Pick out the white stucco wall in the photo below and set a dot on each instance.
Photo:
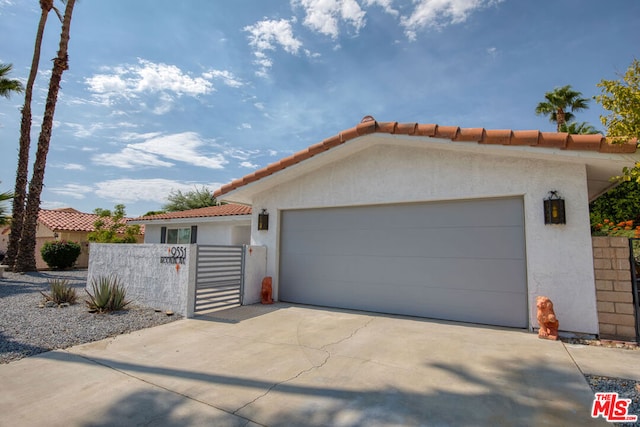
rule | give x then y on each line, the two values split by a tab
148	281
559	258
218	233
255	268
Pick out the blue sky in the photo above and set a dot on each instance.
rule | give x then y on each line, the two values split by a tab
165	96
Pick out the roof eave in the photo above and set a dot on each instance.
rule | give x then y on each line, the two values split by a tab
198	219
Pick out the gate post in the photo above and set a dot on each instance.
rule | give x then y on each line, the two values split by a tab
191	284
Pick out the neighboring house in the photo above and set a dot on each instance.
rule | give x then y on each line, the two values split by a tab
435	221
4	238
228	224
65	224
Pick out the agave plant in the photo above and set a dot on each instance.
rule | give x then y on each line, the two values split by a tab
61	292
108	295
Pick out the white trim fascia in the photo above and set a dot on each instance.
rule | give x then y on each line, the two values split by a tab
195	220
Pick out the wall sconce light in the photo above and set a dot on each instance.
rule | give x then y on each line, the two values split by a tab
56	235
554	209
263	220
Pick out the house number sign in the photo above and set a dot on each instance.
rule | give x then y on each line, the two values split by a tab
175	255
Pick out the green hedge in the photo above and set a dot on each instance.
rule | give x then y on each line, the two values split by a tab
60	254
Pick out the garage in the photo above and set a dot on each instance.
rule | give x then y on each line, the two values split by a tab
453	260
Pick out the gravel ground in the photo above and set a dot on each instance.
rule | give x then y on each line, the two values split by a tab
26	330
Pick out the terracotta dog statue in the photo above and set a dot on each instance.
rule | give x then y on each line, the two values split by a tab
547	319
267	290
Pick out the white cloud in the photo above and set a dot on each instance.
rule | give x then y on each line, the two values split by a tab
138	190
440	13
241	154
259	105
183	147
72	190
81	130
384	4
324	16
245	126
227	77
73	167
135	136
129	158
249	165
492	51
129	82
268	35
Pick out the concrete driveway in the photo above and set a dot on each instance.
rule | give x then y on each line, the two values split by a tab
298	365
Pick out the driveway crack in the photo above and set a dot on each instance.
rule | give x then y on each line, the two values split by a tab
312	368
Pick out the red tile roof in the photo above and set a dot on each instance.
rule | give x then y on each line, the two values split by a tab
68	219
369	125
230	209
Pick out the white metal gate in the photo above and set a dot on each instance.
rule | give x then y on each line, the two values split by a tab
219	277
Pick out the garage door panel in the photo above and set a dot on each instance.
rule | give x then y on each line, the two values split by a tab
490	275
475	213
447	260
496	242
439	303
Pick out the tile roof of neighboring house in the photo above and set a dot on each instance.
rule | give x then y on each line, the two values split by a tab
68	219
369	125
230	209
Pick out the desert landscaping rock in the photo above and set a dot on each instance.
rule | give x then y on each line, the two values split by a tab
27	329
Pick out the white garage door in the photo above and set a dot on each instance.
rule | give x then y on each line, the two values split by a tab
460	260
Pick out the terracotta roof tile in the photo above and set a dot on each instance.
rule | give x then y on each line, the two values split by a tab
369	125
525	137
406	128
366	127
607	146
348	134
424	129
584	142
497	136
553	139
470	134
231	209
68	219
447	132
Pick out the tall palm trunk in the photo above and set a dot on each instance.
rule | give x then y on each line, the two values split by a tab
560	119
20	189
26	260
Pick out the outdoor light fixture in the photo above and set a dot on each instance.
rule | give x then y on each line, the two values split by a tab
554	209
263	220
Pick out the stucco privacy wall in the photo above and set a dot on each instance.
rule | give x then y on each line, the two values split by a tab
559	258
161	285
147	281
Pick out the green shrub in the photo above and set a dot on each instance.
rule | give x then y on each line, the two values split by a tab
108	295
60	254
61	292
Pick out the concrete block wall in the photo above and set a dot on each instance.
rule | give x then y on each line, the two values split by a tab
614	297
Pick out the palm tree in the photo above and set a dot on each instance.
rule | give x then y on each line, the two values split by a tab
559	105
20	189
576	128
7	85
26	260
